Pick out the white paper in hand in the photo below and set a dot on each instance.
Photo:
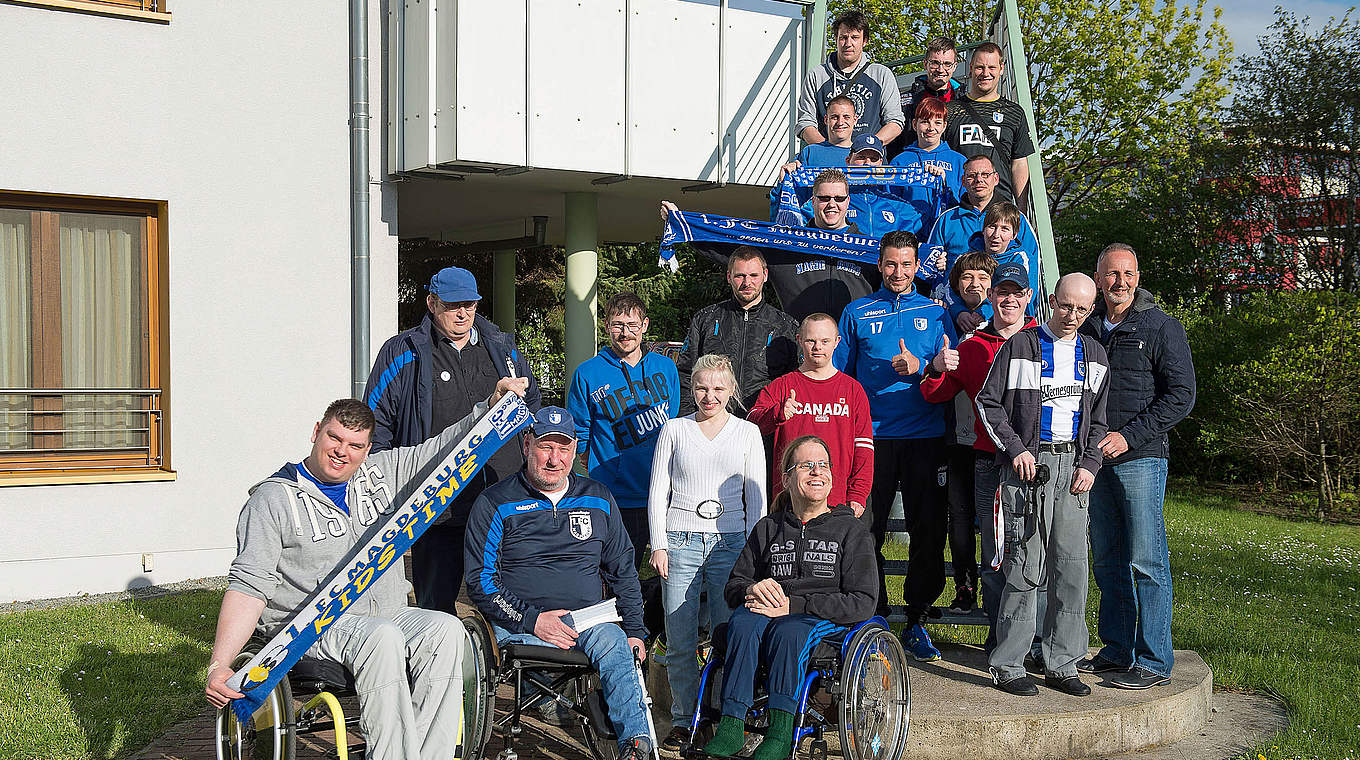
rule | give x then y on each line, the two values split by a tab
587	617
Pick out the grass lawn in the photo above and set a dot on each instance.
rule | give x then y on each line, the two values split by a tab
1270	604
102	680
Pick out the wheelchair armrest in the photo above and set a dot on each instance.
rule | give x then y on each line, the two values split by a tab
549	656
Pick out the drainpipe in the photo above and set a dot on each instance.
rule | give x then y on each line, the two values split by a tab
358	189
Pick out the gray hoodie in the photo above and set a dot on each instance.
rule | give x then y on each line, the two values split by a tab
290	537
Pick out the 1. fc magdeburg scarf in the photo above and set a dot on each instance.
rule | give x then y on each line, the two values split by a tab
381	547
796	188
690	227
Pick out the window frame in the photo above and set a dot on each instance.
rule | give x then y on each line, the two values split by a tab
133	10
85	466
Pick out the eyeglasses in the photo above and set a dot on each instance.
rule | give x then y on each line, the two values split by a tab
625	327
458	306
810	467
1068	308
941	64
830	198
978	175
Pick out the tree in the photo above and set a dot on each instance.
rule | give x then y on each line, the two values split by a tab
1117	85
1298	114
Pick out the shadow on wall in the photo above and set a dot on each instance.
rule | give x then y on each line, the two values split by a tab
147	673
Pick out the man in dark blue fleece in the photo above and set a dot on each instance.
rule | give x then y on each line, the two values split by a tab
620	398
544	542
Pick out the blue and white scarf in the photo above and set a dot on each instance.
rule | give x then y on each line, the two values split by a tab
796	188
688	227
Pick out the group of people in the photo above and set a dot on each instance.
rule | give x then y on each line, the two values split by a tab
756	474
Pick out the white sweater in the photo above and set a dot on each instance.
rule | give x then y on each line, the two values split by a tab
688	469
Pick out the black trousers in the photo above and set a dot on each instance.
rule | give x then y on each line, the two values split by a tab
962	516
635	522
916	467
437	567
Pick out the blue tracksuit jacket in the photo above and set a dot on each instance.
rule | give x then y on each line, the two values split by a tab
523	555
877	212
871	329
953	235
942	156
619	411
823	154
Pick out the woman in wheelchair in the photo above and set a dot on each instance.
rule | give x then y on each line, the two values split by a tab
807	571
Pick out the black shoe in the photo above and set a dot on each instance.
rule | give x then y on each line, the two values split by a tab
965	600
635	749
1034	663
1099	664
676	740
1067	685
1020	686
1139	677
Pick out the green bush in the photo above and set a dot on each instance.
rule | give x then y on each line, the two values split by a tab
1279	393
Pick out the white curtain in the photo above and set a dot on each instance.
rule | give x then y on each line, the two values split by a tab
16	314
102	324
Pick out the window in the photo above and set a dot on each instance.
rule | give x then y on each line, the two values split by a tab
82	336
136	10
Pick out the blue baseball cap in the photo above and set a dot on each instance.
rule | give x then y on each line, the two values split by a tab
1011	273
454	285
866	141
554	420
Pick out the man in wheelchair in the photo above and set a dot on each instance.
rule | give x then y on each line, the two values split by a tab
545	542
807	571
295	527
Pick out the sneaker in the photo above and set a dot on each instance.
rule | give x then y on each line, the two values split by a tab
1068	685
676	740
965	600
1139	677
917	641
1099	664
1020	686
637	748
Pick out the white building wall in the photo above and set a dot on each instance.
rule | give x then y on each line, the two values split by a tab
236	115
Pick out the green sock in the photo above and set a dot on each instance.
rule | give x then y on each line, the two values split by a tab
778	742
729	739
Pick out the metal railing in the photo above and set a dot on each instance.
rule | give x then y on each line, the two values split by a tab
55	430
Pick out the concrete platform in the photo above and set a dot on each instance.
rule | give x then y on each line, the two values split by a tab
955	712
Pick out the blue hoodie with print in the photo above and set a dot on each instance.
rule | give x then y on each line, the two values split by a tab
619	410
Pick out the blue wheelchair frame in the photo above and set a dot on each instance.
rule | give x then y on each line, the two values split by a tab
831	673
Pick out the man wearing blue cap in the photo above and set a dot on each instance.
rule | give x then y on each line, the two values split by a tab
544	542
423	379
873	209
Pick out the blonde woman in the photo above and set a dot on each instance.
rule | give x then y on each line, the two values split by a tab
707	493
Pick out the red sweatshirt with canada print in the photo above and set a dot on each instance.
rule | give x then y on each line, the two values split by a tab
837	411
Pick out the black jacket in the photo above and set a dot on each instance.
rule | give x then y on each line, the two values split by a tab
1152	375
400	391
826	566
912	97
760	341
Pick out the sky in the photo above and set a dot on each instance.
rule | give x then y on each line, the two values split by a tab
1247	20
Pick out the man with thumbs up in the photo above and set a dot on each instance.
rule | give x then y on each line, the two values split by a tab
889	339
817	399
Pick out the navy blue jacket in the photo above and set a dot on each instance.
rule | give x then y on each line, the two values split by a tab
1152	375
524	556
402	381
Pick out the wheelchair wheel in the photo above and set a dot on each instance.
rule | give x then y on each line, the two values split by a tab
480	664
598	731
875	704
268	735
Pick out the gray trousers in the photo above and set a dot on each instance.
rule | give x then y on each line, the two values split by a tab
987	476
1045	542
408	672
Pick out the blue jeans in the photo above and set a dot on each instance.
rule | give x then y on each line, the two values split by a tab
607	647
696	562
783	644
1132	565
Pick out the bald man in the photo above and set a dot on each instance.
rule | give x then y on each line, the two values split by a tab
1043	405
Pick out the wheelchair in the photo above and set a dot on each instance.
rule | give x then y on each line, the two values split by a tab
856	680
536	675
272	732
